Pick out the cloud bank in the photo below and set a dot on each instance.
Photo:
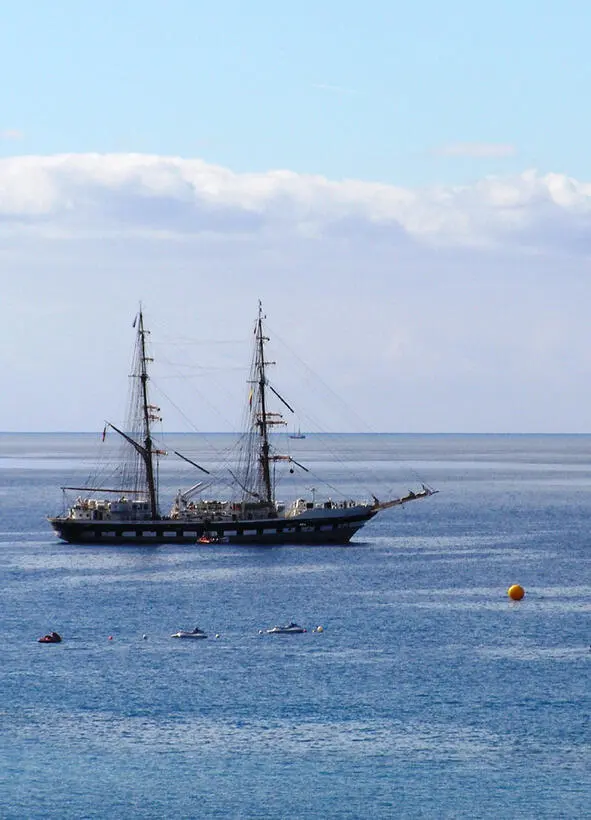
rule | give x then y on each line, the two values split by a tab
459	308
127	194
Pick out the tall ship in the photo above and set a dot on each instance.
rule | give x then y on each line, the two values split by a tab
246	513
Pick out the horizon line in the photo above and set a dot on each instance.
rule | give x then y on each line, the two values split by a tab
304	432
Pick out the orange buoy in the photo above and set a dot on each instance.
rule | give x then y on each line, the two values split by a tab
516	592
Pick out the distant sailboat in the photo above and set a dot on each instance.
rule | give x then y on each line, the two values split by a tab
299	434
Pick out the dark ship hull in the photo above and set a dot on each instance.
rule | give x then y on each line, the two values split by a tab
264	532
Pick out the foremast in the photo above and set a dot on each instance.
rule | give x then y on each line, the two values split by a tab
140	417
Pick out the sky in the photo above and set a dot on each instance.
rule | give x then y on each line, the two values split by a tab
406	187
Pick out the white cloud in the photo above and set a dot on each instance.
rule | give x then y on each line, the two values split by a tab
450	308
130	194
11	134
476	149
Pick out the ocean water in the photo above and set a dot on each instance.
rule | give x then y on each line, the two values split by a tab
429	693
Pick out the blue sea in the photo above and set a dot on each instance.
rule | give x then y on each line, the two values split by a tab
427	694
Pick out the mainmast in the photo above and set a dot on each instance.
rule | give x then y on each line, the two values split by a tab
257	477
147	411
263	419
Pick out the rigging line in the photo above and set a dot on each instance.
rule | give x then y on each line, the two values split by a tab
328	440
230	363
311	373
317	377
157	387
320	480
180	348
349	410
163	330
371	474
200	369
219	388
163	341
246	490
367	480
100	462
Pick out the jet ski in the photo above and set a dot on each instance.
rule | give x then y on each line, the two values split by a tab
51	637
289	629
195	633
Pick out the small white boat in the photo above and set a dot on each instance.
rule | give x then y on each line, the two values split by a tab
195	633
288	629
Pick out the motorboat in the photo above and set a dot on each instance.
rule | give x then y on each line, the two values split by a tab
288	629
195	633
51	637
213	538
